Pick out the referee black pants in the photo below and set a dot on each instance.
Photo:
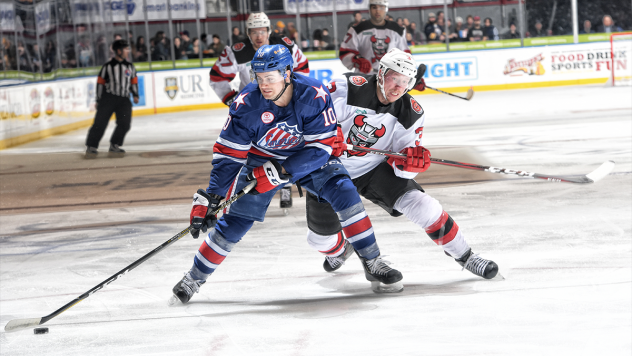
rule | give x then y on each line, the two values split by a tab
109	104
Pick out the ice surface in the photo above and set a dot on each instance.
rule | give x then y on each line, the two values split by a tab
565	250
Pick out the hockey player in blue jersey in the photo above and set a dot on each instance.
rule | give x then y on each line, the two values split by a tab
280	129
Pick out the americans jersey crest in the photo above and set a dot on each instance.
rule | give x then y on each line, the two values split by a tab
363	135
281	137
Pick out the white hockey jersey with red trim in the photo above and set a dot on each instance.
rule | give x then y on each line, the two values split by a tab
367	123
235	62
372	42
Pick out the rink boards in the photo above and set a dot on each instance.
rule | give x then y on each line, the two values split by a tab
33	111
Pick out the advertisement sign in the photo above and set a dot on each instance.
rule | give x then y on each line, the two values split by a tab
43	17
7	17
318	6
115	10
183	88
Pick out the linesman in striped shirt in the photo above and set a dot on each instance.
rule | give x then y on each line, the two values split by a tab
116	80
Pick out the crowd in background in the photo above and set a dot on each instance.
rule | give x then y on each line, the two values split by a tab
88	51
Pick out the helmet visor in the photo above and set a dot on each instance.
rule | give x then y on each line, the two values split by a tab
398	79
271	77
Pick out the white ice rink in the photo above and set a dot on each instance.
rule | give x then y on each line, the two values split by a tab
565	251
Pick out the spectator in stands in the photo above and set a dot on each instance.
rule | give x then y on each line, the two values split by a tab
85	51
186	44
23	58
512	32
216	48
132	45
389	17
607	25
161	52
36	57
195	49
357	18
400	22
470	22
432	30
291	32
491	32
102	51
9	62
538	31
417	35
587	28
453	34
141	50
49	57
441	26
326	42
440	16
409	39
317	38
237	36
476	33
280	28
178	49
406	24
460	29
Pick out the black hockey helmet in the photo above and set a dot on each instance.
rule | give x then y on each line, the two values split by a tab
119	44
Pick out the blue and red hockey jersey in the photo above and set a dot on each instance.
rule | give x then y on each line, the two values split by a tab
300	136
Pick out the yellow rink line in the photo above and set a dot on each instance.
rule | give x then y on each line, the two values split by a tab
18	140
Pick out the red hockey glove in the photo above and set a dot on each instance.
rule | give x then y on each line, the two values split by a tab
420	84
362	64
229	98
268	177
339	146
202	202
417	160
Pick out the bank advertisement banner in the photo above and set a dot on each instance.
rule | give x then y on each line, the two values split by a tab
319	6
116	10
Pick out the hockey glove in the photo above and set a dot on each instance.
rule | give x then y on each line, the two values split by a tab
268	177
229	98
202	203
417	160
420	84
362	64
339	146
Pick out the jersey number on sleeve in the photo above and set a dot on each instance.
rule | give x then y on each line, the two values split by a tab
330	117
420	131
348	37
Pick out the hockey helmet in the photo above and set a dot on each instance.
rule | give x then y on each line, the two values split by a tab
119	44
400	62
257	20
379	2
272	57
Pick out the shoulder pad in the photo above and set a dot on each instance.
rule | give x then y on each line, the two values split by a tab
243	51
285	41
409	111
390	25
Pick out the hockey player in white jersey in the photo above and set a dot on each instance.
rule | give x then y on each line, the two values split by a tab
234	62
366	43
376	111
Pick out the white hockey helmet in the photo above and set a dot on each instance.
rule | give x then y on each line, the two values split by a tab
379	2
257	20
400	62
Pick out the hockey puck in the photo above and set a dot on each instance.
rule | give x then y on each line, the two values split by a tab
40	331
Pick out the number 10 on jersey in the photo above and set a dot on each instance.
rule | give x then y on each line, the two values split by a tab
330	117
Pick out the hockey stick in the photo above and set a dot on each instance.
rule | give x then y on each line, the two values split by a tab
19	324
470	93
591	177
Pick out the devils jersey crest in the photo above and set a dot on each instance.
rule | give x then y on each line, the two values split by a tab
380	47
281	137
363	134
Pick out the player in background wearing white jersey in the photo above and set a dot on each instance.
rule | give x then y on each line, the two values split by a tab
366	43
235	60
376	111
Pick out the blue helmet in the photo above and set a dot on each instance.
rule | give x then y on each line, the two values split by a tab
272	57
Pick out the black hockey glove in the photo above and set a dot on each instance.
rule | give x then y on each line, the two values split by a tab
229	98
201	217
420	84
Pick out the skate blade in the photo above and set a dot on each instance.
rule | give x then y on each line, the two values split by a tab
174	301
379	287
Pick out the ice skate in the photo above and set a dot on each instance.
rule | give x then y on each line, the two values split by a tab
91	153
333	263
116	151
185	289
478	265
383	278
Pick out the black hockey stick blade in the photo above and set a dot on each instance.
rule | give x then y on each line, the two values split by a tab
469	95
591	177
20	324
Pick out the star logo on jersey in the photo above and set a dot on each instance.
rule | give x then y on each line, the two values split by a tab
363	135
240	100
321	93
281	137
